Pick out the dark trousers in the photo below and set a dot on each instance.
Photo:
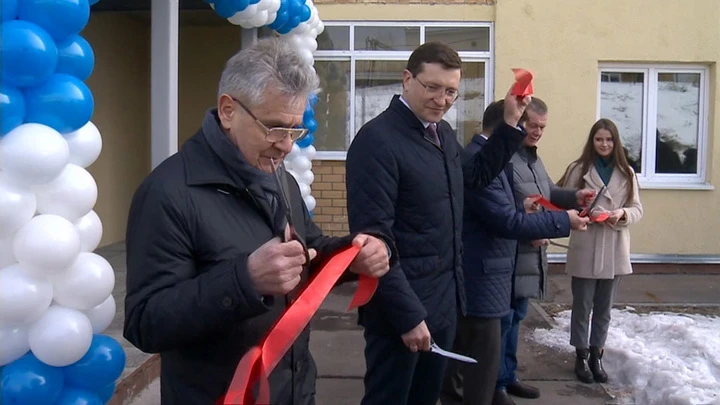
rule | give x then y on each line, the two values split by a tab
596	296
510	330
473	384
397	376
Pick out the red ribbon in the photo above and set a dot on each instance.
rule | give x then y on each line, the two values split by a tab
550	206
523	83
257	364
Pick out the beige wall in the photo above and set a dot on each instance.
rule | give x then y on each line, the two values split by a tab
120	85
563	46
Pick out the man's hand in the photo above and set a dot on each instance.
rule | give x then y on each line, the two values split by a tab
530	204
577	222
615	217
584	196
275	267
372	260
514	107
539	242
417	338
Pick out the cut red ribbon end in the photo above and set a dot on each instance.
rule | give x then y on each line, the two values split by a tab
523	83
545	203
602	217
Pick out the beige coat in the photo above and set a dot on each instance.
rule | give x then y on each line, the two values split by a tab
602	252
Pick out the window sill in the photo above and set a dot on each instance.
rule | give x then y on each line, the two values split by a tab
329	155
646	185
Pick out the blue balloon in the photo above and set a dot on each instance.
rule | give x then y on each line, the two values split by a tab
62	102
76	396
242	4
304	13
28	381
92	2
312	100
75	57
280	19
254	1
28	54
284	5
12	108
295	6
311	125
102	365
9	10
309	114
106	393
60	18
306	141
226	8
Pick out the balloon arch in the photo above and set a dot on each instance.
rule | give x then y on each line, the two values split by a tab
55	293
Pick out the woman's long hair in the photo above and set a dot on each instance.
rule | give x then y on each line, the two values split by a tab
589	155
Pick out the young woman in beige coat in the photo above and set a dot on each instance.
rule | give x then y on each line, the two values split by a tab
598	258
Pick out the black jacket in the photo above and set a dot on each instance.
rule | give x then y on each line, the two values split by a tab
193	223
405	186
493	223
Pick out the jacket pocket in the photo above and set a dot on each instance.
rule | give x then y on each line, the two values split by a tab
499	265
419	267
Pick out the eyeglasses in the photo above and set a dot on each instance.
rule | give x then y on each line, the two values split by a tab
432	90
276	134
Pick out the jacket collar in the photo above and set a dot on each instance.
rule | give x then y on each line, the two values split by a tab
406	114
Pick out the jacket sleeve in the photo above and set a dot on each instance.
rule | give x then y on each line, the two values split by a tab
498	213
633	208
372	176
481	168
168	303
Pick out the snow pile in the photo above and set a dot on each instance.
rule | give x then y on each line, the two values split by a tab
669	359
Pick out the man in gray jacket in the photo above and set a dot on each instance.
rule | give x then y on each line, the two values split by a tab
529	177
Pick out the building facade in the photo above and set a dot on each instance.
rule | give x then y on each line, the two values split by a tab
651	66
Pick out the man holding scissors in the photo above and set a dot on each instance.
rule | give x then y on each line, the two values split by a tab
218	244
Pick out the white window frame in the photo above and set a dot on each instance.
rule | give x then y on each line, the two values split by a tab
467	56
648	179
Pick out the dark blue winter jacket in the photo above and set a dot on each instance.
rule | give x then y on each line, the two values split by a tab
493	221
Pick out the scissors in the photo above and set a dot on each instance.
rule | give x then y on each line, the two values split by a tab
436	349
589	209
283	191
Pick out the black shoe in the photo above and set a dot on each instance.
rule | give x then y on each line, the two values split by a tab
522	390
501	397
582	369
596	365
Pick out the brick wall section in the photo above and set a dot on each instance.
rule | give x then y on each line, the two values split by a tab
328	188
487	2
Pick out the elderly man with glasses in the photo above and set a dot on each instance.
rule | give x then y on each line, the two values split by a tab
405	177
219	241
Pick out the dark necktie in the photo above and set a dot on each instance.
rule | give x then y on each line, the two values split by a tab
432	135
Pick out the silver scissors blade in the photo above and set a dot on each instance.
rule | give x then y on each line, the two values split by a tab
595	201
436	349
282	185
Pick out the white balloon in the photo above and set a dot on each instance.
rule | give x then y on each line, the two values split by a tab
90	230
47	243
236	19
259	19
301	29
14	340
246	14
271	17
17	207
304	189
85	145
264	5
71	195
61	336
302	163
307	177
33	153
296	41
102	315
23	298
310	42
274	6
7	257
310	202
309	152
86	284
320	27
306	55
294	152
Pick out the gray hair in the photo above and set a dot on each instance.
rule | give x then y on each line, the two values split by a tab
538	106
268	62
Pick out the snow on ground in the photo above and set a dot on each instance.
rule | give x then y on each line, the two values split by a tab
666	358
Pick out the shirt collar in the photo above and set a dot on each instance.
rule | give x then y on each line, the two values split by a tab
424	123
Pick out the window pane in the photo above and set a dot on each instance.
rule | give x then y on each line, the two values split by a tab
387	38
466	114
678	108
375	84
460	38
334	39
621	100
331	110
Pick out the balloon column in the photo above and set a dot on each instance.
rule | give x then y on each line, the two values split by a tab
297	22
55	293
